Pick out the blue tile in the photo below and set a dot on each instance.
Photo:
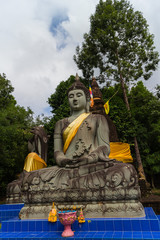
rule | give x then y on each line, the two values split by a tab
18	226
127	235
150	214
147	235
24	226
154	225
137	235
38	225
109	225
108	234
45	226
70	238
53	226
90	234
4	227
117	235
136	226
156	235
92	226
83	226
60	226
76	226
126	225
145	225
101	225
31	226
11	227
41	234
118	225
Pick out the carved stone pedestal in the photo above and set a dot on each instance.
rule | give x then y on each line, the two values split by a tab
123	209
101	189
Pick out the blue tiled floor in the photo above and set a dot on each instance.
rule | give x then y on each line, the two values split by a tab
125	228
81	235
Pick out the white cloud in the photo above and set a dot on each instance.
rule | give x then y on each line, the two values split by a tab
36	59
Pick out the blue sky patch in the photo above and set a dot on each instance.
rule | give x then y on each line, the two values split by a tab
56	29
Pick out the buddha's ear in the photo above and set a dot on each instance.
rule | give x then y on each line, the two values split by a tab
88	105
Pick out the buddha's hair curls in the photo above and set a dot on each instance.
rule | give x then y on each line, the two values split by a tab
79	85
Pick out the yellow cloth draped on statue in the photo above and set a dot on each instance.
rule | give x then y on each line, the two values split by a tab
72	129
33	162
120	151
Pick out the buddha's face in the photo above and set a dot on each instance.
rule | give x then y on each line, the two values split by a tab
77	100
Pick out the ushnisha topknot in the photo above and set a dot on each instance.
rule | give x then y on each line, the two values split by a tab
79	85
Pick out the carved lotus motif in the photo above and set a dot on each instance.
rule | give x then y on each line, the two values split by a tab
116	179
25	186
35	180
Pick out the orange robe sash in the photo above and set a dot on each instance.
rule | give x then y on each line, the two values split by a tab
72	129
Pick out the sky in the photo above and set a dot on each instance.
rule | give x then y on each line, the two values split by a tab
38	39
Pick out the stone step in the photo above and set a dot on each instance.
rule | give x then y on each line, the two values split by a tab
8	211
95	228
148	223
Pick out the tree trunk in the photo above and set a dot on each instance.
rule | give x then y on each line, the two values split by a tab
138	156
139	161
152	181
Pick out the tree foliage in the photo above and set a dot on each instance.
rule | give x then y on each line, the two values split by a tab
146	110
118	42
15	123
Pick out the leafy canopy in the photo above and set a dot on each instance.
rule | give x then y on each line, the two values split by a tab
15	123
118	42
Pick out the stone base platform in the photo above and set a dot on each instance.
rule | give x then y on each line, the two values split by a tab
117	209
94	228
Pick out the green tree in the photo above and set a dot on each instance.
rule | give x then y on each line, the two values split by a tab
120	46
15	123
146	110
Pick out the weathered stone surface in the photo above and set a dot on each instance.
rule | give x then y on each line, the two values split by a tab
114	209
117	182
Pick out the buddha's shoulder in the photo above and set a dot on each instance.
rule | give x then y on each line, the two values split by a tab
62	122
97	116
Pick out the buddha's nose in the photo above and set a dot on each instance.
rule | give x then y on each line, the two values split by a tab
74	98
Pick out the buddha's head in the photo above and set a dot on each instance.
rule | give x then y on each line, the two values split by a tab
78	96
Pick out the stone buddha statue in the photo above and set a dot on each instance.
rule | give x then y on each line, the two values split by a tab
84	176
81	139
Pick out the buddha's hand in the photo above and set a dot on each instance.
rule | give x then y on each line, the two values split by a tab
84	160
64	162
78	162
61	159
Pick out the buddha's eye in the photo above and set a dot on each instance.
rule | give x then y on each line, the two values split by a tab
71	96
79	94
